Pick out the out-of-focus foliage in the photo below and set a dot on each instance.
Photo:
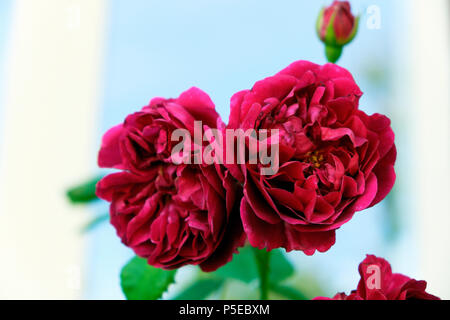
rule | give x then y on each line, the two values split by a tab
95	222
141	281
83	193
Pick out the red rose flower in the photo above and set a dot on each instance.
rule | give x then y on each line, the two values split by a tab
177	215
379	283
334	159
172	215
145	137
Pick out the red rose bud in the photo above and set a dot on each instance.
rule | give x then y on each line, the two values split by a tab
336	27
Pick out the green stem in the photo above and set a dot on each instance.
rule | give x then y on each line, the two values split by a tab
262	258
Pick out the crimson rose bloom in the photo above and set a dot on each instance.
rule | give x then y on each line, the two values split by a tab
389	286
145	137
172	215
334	159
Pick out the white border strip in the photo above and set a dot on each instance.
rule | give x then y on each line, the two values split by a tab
52	98
429	47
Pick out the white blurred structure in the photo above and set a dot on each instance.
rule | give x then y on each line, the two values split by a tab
50	110
430	68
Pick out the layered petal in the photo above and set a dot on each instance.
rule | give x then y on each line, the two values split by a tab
378	282
170	214
334	160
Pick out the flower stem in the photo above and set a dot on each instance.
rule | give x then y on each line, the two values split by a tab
333	53
262	258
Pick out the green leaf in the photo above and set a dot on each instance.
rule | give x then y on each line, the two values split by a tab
243	267
319	22
83	193
94	223
200	289
288	292
280	267
141	281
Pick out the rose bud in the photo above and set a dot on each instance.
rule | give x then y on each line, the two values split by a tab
379	283
334	160
336	27
170	214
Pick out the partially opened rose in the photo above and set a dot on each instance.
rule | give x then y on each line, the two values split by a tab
335	160
336	26
172	215
379	283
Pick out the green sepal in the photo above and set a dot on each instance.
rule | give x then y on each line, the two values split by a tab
200	289
352	35
330	36
319	23
84	193
140	281
333	53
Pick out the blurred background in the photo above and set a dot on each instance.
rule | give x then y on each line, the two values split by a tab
71	69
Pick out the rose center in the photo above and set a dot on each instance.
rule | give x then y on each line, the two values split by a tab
315	158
